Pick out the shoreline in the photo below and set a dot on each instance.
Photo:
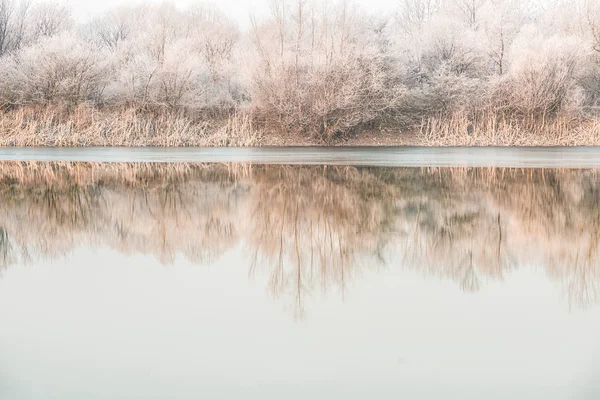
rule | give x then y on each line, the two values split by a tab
399	157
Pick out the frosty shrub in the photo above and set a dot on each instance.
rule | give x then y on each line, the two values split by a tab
57	69
447	68
47	19
164	57
541	76
320	71
13	26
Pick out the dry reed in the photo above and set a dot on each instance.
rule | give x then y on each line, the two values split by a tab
488	129
89	126
60	126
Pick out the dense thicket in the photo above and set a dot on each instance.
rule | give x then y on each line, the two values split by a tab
321	70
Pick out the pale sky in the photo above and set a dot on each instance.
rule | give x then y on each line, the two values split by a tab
236	9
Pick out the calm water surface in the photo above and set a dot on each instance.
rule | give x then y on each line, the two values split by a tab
502	157
221	281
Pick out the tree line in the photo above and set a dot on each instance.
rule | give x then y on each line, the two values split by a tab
322	69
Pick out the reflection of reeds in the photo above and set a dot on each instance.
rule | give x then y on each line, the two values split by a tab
311	229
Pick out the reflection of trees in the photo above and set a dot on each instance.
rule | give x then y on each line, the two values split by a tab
483	223
6	249
130	208
311	229
552	221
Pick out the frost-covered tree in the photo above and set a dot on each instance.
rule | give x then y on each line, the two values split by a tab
13	25
580	19
321	70
593	21
501	21
167	57
446	65
542	75
47	19
62	69
592	17
114	27
468	11
414	15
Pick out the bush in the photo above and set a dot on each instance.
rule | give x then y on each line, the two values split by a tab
58	69
322	77
166	58
541	77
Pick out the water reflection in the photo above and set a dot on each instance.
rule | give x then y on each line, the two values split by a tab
307	230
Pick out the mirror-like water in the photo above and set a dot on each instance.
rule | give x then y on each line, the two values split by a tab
188	281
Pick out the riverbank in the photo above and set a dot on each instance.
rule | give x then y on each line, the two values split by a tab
401	156
84	126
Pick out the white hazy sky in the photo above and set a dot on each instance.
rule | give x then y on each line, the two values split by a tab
237	9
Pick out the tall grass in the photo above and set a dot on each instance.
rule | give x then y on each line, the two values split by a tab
89	126
488	129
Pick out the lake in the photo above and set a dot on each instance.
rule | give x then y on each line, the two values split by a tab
193	280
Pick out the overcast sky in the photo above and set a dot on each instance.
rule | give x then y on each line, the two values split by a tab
237	9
